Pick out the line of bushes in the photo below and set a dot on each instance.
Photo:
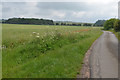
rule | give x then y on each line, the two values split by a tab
112	24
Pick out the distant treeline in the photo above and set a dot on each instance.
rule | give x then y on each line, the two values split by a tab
42	22
48	22
99	23
73	24
29	21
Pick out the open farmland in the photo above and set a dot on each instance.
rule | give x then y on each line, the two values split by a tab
43	51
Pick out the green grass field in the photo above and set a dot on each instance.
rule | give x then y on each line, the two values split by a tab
0	51
43	51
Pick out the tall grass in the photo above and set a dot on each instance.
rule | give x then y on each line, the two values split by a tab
0	51
38	51
117	34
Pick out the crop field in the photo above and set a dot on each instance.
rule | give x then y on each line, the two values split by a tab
45	51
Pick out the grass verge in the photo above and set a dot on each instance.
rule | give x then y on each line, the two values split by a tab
58	54
117	34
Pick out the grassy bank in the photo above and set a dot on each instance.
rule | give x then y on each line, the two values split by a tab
39	51
0	51
117	34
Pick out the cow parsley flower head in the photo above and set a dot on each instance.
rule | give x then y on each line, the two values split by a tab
37	36
34	32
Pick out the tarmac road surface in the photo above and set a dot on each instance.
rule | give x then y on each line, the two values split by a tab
104	57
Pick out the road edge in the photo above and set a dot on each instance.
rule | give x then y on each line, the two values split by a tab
85	71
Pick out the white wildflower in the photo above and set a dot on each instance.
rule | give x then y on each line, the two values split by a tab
34	32
37	36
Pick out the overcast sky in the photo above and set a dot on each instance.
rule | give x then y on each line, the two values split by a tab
78	11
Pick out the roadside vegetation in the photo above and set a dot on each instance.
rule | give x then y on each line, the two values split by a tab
45	51
113	25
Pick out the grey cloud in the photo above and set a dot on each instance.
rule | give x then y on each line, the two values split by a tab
71	6
60	10
15	9
6	9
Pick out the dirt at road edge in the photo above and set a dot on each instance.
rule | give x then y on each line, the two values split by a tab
85	71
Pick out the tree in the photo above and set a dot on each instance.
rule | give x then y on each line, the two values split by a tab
79	24
99	23
109	24
117	25
57	23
